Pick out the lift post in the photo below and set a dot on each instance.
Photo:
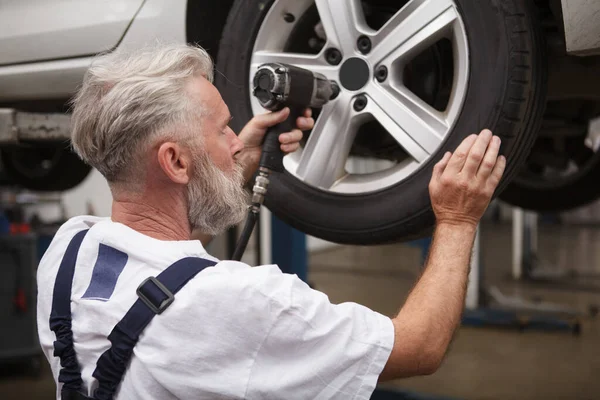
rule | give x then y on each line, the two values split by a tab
490	307
528	266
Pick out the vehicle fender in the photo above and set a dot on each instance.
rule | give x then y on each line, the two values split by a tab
582	30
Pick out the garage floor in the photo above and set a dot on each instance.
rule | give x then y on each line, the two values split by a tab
484	363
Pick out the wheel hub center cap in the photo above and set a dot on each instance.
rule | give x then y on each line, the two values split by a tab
354	74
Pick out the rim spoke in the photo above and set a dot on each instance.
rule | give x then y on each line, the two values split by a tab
324	157
415	27
398	133
311	62
408	119
340	19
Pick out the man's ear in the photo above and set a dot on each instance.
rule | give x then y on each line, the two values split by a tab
175	162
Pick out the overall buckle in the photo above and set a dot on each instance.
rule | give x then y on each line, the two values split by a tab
149	296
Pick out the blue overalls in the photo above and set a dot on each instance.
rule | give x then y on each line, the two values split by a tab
155	295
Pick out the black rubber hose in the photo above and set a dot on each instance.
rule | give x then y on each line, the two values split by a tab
271	158
245	237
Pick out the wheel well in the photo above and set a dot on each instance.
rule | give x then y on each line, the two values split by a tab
204	23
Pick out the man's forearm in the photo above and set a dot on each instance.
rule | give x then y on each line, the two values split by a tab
434	307
439	297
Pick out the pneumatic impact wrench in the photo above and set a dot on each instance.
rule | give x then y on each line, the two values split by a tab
277	86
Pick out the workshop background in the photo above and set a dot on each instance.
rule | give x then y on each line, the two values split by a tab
530	329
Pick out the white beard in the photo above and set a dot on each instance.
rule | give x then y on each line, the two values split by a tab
216	200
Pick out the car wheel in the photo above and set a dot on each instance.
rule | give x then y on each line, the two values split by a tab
42	168
563	168
438	70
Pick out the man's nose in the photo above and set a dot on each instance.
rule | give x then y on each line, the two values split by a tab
237	145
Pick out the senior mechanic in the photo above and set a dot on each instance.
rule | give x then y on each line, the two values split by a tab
154	125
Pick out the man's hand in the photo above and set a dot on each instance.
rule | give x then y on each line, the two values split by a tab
253	133
463	183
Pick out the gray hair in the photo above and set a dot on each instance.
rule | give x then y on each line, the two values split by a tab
128	99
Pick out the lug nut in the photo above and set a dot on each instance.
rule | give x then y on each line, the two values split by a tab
364	44
381	73
336	90
360	103
289	18
333	56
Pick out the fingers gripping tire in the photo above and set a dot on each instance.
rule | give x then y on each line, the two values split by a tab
505	93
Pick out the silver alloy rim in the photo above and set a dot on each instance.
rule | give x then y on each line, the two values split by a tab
417	127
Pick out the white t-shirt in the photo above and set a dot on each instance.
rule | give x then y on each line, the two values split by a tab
233	332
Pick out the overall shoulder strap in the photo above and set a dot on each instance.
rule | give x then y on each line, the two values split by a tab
155	295
60	317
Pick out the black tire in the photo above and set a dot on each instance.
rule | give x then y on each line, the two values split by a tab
558	195
53	168
565	188
506	93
